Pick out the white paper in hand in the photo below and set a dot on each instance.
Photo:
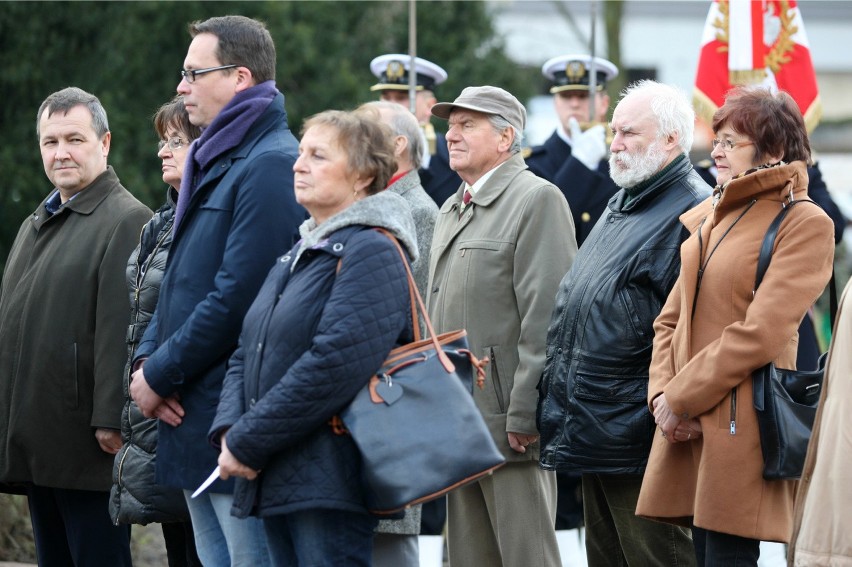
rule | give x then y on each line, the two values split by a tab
210	480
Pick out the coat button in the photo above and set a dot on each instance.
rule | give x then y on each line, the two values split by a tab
337	247
252	402
259	347
435	289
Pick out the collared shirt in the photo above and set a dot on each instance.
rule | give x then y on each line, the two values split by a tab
481	181
54	202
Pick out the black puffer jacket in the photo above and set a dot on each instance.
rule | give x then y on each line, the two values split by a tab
593	414
135	497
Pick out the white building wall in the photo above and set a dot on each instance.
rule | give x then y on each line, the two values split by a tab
666	36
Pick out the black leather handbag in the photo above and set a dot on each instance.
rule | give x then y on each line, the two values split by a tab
785	400
416	424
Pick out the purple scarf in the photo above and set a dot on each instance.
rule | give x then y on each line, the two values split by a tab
224	134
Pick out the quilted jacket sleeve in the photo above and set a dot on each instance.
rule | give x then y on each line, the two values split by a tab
231	399
363	319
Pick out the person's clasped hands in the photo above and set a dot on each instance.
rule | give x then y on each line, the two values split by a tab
672	428
590	146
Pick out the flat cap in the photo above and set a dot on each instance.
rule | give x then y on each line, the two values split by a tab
488	100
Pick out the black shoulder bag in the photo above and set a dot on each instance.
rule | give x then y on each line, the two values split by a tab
786	400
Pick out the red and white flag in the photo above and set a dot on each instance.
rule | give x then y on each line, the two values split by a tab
755	42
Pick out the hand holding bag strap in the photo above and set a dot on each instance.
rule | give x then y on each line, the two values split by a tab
415	294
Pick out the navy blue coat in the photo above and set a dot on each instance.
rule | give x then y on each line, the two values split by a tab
440	181
310	341
587	191
242	216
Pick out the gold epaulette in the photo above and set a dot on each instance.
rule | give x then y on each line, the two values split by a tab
431	138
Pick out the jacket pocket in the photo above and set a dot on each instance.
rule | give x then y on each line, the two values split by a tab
635	315
729	411
498	372
66	376
483	262
218	200
609	423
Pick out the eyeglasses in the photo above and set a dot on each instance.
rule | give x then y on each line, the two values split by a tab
728	145
173	144
189	75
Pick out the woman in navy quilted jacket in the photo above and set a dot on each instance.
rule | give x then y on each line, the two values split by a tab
329	313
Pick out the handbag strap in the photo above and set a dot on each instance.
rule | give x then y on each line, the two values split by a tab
414	293
766	255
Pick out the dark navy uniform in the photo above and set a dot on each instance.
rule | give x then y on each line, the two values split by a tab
587	191
439	180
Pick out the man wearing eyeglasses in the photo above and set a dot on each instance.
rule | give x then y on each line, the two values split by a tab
63	315
236	213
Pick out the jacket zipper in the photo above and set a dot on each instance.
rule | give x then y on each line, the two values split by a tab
733	411
141	270
495	377
120	474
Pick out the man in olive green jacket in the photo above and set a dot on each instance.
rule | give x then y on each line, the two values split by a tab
64	313
501	246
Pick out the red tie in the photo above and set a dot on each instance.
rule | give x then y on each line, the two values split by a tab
465	202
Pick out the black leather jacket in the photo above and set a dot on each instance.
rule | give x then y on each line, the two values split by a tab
593	414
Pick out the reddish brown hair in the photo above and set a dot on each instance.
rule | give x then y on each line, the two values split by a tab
772	121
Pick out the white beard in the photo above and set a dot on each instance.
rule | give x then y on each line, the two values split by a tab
629	170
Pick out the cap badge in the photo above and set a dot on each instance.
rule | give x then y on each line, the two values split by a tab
574	71
395	71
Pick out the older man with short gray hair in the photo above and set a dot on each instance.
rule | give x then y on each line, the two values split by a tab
502	243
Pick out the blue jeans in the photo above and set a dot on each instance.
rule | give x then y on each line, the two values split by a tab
321	538
716	548
223	540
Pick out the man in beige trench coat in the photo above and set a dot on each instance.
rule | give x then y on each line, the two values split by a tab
502	243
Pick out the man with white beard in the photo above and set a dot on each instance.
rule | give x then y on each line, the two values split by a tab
593	413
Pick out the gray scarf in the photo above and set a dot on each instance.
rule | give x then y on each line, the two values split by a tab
383	210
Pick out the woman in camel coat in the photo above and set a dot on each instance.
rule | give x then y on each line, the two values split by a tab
705	467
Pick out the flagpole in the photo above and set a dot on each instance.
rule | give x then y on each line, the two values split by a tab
593	75
412	53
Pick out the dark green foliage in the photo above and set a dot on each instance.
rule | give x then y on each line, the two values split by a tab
129	55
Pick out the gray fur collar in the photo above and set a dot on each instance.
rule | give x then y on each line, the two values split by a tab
384	210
